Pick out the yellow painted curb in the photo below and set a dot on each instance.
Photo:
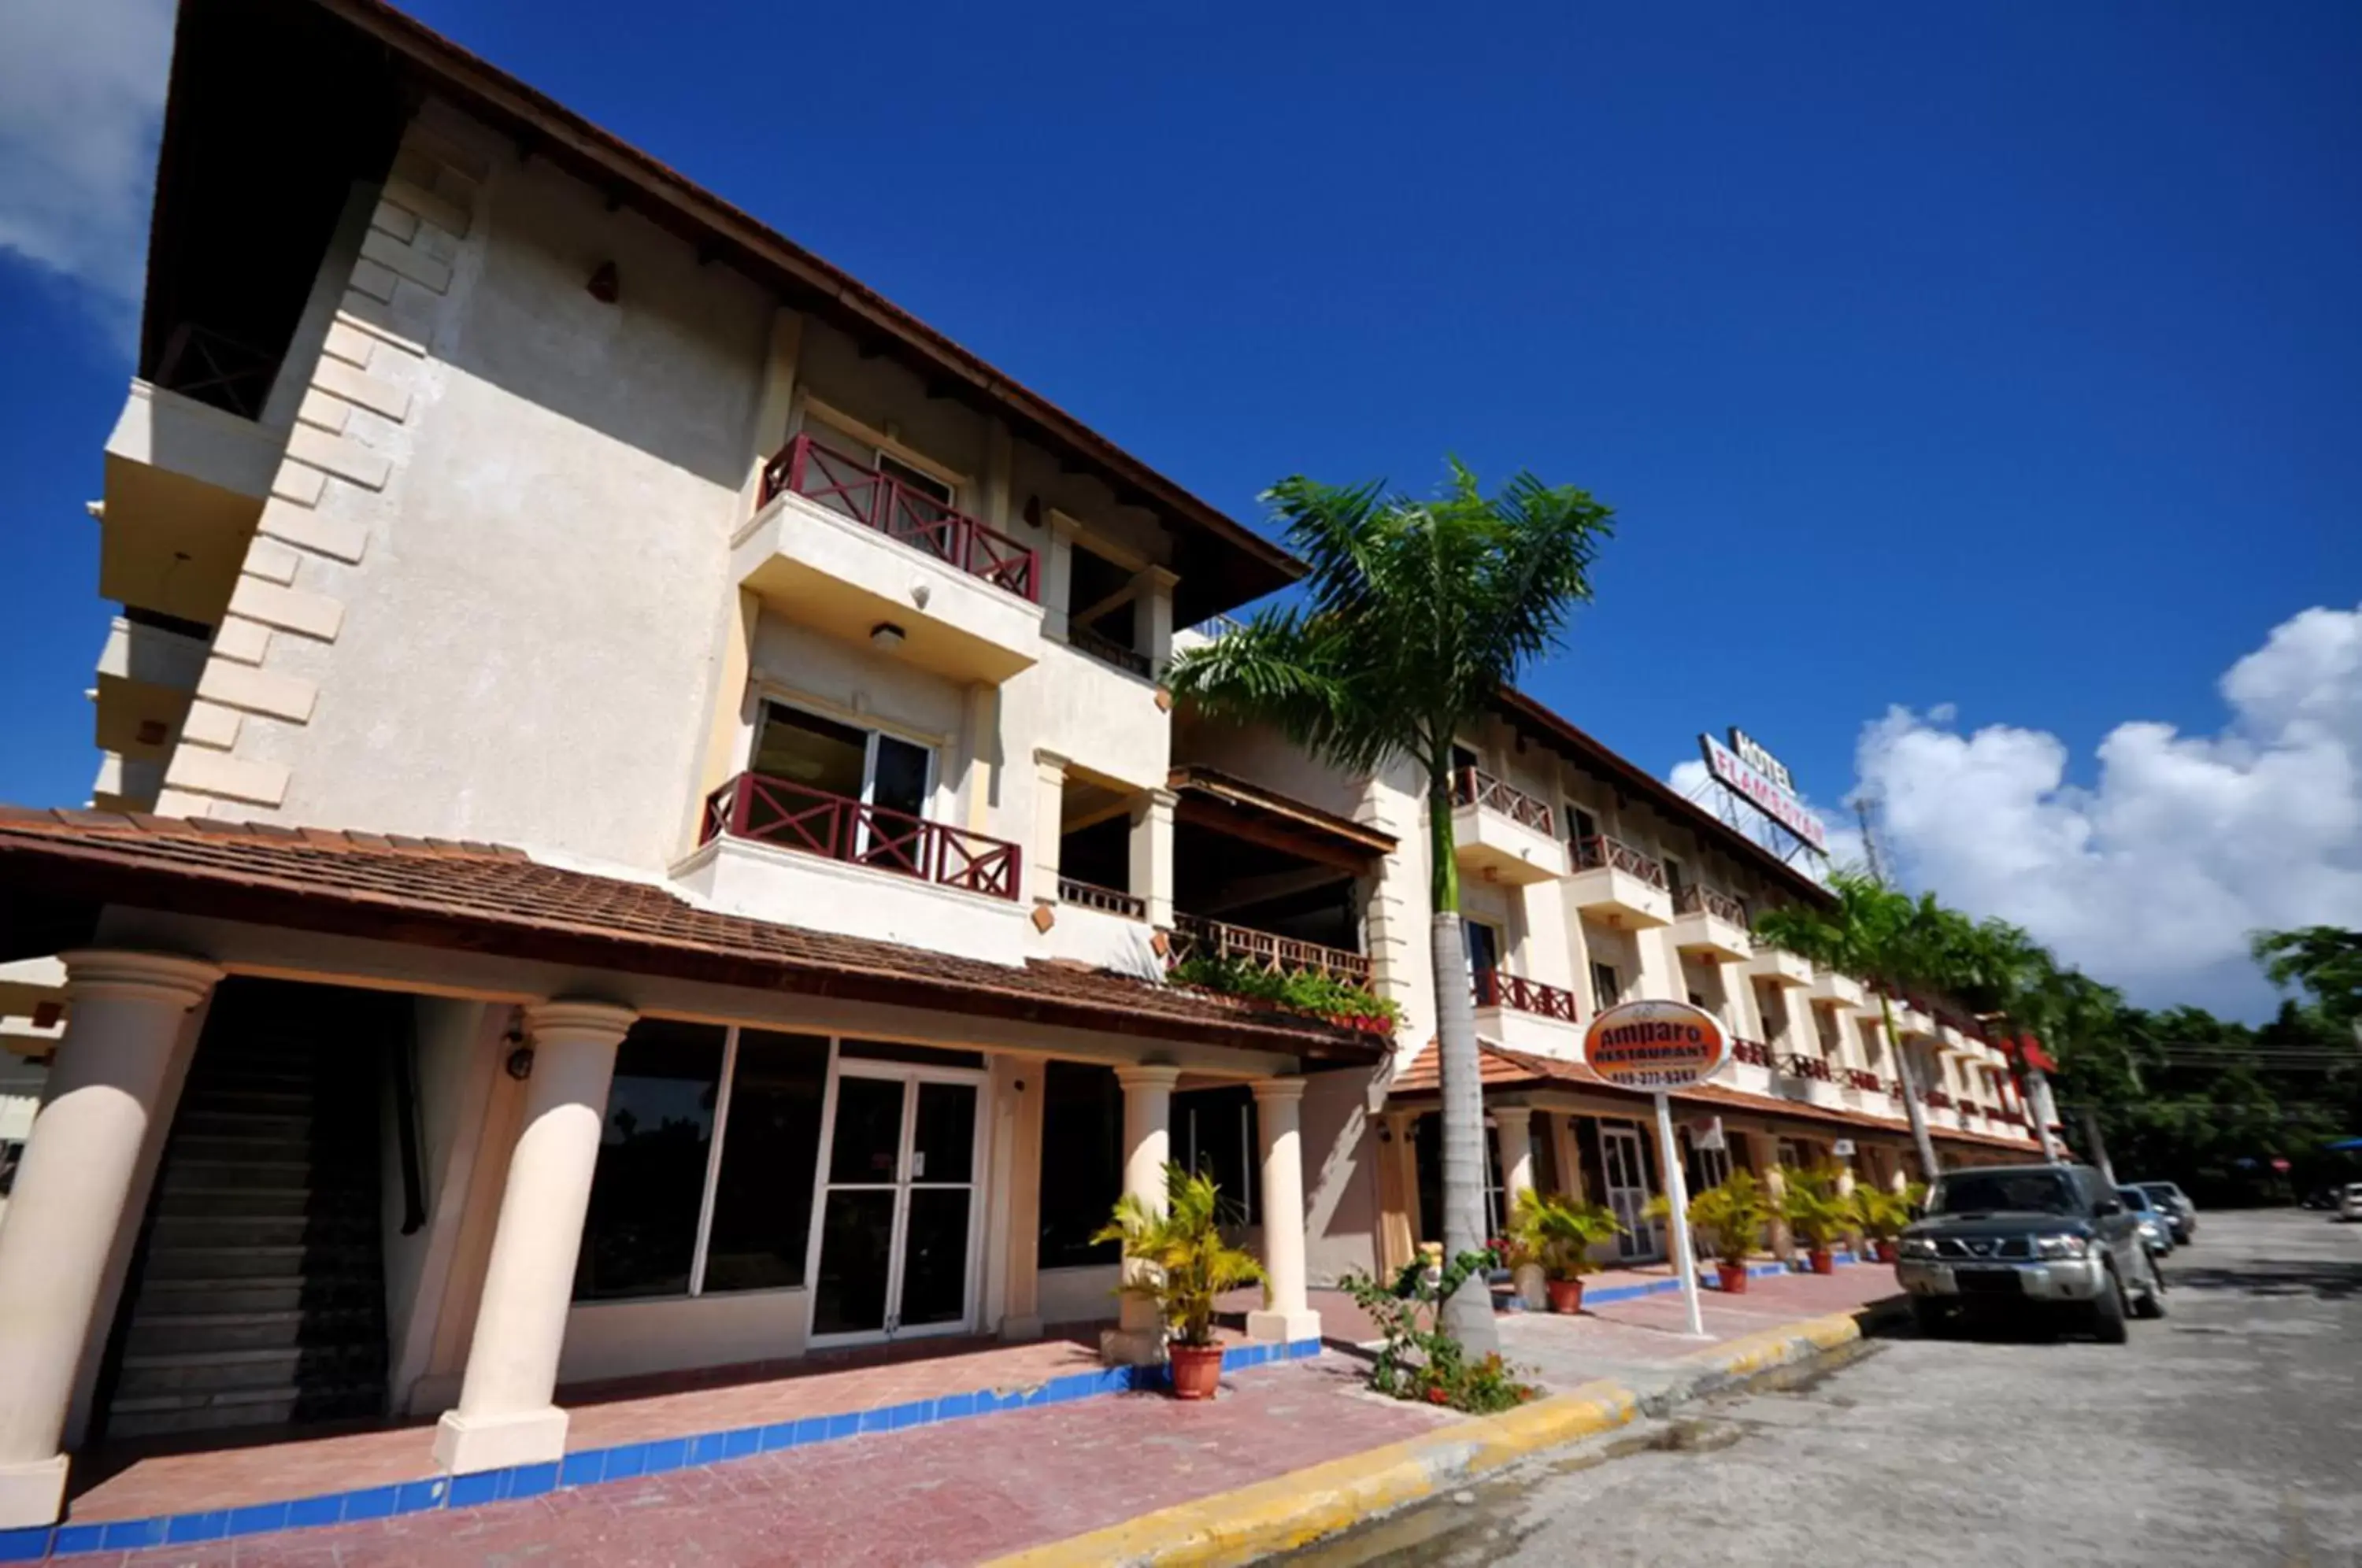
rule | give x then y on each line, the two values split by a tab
1303	1505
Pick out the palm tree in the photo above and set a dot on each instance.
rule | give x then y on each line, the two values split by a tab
1417	613
1895	941
2000	969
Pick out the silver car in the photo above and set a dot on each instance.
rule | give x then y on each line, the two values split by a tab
2155	1222
2022	1239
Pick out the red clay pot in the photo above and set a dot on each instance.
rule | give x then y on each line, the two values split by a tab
1822	1259
1565	1294
1196	1370
1734	1277
1882	1251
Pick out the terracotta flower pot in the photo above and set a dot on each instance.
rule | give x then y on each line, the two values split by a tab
1734	1277
1566	1296
1196	1370
1884	1251
1822	1259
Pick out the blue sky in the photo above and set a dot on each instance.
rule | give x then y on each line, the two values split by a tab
2002	357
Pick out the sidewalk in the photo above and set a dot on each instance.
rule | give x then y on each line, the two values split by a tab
967	1490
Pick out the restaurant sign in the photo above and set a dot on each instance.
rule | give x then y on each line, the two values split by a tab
1655	1045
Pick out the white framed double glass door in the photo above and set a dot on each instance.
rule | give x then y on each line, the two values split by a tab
899	1207
1626	1170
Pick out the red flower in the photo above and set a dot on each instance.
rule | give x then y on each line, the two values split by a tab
1435	1397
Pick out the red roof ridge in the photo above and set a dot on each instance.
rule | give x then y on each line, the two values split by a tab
131	823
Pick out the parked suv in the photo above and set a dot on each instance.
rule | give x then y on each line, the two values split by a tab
2177	1206
2018	1240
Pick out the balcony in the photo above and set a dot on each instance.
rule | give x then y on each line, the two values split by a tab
773	849
1866	1081
1802	1065
1501	832
1780	967
186	478
1753	1052
1107	900
1843	991
146	674
858	555
1618	884
1710	925
1195	936
1527	1015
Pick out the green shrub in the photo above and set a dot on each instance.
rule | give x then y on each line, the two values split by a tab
1304	990
1417	1358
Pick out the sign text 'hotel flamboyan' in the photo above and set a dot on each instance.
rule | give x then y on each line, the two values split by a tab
1761	780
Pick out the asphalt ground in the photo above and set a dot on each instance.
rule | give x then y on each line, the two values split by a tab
2228	1433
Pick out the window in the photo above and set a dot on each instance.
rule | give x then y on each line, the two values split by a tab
1606	988
660	1202
1081	1161
1580	824
1673	875
1484	945
1464	760
1213	1133
915	479
804	757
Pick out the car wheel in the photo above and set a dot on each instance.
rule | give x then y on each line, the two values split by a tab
1932	1318
2108	1324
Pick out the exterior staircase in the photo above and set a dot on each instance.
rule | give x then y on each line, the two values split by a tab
259	1296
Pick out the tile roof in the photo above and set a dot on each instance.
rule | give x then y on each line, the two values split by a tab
1499	1068
489	899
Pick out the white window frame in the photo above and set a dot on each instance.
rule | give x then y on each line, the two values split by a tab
809	407
866	723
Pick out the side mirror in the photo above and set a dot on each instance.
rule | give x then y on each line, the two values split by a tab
2109	1207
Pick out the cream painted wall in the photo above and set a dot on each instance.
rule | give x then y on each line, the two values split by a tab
527	637
457	1056
628	1339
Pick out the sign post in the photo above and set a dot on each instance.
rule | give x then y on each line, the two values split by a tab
1662	1046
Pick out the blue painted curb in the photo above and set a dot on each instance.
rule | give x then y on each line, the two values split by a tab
596	1466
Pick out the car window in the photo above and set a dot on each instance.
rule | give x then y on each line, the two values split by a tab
2134	1199
1986	1192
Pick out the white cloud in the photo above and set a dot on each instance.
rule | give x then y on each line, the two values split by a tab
81	98
2152	877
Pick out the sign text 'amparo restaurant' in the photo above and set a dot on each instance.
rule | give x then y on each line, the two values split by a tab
1758	778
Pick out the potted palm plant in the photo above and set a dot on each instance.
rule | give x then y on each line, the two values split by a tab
1179	1259
1731	1215
1564	1230
1818	1212
1881	1214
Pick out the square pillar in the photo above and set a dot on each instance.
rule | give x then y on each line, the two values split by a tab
1513	1139
507	1413
1568	1152
1138	1340
1152	615
1021	1312
1287	1315
1398	1238
126	1012
1775	1188
1049	825
1152	855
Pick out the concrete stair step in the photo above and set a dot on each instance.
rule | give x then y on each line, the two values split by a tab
276	1202
335	1226
220	1376
208	1121
180	1264
240	1148
166	1416
176	1333
289	1099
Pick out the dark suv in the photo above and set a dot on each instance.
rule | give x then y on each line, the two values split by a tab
2016	1240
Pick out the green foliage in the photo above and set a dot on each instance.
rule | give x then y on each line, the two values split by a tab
1881	1214
1558	1232
1303	990
1815	1209
2326	961
1733	1214
1416	1359
1183	1262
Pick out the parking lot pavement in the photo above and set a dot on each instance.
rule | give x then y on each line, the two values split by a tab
2229	1434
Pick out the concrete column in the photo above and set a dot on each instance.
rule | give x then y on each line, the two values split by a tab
1049	825
1057	576
1395	1243
1152	855
1775	1187
507	1415
1569	1155
1021	1315
1287	1315
1139	1338
1513	1136
125	1015
1152	615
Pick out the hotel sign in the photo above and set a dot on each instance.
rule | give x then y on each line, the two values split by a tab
1768	790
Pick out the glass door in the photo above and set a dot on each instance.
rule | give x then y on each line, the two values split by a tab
897	1238
1627	1189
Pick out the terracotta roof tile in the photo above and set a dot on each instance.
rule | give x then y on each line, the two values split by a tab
1499	1068
490	898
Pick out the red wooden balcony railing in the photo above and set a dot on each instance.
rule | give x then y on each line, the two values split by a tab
1107	650
1754	1052
789	815
1593	854
1090	896
1194	935
1699	898
1797	1065
1938	1098
1893	1087
851	487
1474	787
1867	1082
1496	988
